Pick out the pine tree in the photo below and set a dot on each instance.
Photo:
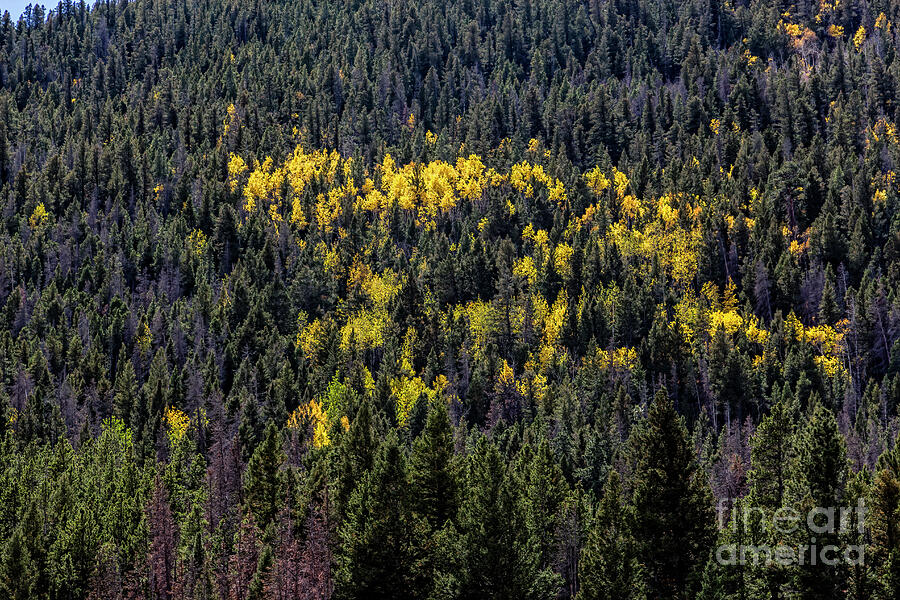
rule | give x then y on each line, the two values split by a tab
18	572
544	491
770	456
828	308
263	482
377	557
818	477
161	554
250	431
500	560
883	553
355	456
126	393
432	472
771	453
672	518
610	567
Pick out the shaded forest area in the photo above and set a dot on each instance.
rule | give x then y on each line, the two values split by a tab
469	299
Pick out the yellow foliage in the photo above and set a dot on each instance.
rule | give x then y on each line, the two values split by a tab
237	168
439	179
835	31
481	319
304	168
524	268
666	212
177	423
144	338
262	184
230	119
596	180
792	29
330	260
621	182
687	316
588	216
558	194
674	246
328	209
631	206
312	414
197	243
555	319
729	321
506	377
39	217
366	328
472	179
520	178
755	333
729	299
859	37
298	218
562	260
311	337
832	365
406	392
534	387
617	358
827	339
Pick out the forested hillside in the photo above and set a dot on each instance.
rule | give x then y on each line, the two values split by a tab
448	299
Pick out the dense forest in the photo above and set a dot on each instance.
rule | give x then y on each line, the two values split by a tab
449	299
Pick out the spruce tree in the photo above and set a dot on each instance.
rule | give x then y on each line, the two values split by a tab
377	556
770	455
819	471
544	491
672	519
18	571
609	564
500	558
432	472
263	483
883	553
356	455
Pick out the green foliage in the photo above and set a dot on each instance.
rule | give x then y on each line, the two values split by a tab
286	257
610	564
671	516
264	480
378	555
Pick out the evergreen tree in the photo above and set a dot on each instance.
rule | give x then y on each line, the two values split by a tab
543	491
356	456
433	478
264	481
818	477
500	560
672	516
18	572
883	553
377	556
610	566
